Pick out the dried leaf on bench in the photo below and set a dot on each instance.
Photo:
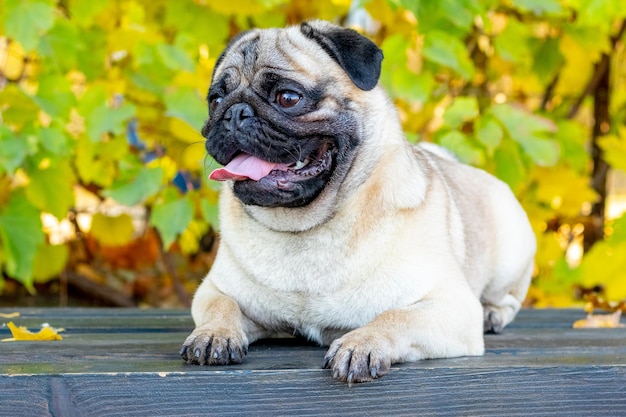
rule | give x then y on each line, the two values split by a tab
597	321
9	315
23	334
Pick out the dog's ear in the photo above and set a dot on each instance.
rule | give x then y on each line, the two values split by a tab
358	56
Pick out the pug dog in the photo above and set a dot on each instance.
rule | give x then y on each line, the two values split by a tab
334	227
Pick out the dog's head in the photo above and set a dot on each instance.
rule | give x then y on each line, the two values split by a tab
284	113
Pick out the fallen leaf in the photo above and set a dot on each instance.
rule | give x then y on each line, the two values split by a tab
22	333
9	315
594	301
597	321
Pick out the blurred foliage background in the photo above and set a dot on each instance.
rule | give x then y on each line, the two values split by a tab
103	191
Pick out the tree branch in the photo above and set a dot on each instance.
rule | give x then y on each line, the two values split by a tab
600	70
101	292
183	296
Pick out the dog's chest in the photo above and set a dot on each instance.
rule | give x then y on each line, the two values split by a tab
324	287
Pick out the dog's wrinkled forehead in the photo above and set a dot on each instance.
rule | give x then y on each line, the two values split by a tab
285	51
314	50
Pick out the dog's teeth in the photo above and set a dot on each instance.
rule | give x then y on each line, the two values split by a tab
302	164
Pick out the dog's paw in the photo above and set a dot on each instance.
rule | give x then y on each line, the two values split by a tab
493	321
358	356
206	346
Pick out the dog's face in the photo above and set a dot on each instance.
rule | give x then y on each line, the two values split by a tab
282	112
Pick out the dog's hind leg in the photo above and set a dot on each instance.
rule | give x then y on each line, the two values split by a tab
501	310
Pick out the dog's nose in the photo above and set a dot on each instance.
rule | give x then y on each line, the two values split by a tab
236	115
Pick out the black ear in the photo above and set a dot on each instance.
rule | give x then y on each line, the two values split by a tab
358	56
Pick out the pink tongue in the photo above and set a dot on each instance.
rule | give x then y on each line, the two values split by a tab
245	167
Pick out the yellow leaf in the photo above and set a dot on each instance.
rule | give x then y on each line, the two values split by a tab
190	239
167	164
183	131
50	261
395	19
12	63
195	157
9	315
112	230
242	7
577	69
564	190
614	148
23	334
600	321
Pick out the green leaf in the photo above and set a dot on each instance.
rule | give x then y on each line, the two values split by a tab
186	104
519	121
20	234
27	20
55	96
13	150
488	132
146	183
531	132
411	87
396	76
96	162
590	39
174	57
461	110
83	12
50	261
618	227
573	137
94	97
191	18
90	63
172	218
543	151
104	119
509	164
598	14
18	108
460	146
548	59
55	141
459	12
512	43
449	51
50	188
538	7
453	16
210	213
63	44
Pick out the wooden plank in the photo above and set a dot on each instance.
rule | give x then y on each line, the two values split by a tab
527	318
144	353
153	352
125	362
566	391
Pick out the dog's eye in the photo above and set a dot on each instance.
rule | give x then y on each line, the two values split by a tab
214	103
287	99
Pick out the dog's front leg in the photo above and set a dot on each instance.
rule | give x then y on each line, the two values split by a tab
219	337
441	326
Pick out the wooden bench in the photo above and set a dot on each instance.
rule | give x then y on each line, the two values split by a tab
124	362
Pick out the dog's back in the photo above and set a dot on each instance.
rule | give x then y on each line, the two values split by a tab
498	264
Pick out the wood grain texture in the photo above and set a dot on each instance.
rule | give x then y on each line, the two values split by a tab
124	362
